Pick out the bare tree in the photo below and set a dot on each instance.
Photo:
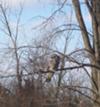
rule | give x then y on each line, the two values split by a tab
91	40
13	36
32	86
94	49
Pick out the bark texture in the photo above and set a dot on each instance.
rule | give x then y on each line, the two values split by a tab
94	10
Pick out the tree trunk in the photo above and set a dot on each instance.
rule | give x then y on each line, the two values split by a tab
96	61
94	10
96	86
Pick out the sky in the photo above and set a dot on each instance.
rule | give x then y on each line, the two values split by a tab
32	10
29	18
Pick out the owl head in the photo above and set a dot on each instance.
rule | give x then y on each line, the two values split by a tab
55	56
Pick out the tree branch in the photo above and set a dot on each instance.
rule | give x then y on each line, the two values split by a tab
82	25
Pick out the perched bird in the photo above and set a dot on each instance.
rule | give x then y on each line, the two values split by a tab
52	66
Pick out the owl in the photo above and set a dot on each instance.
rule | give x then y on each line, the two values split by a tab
53	66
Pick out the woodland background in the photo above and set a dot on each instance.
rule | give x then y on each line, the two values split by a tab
28	36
